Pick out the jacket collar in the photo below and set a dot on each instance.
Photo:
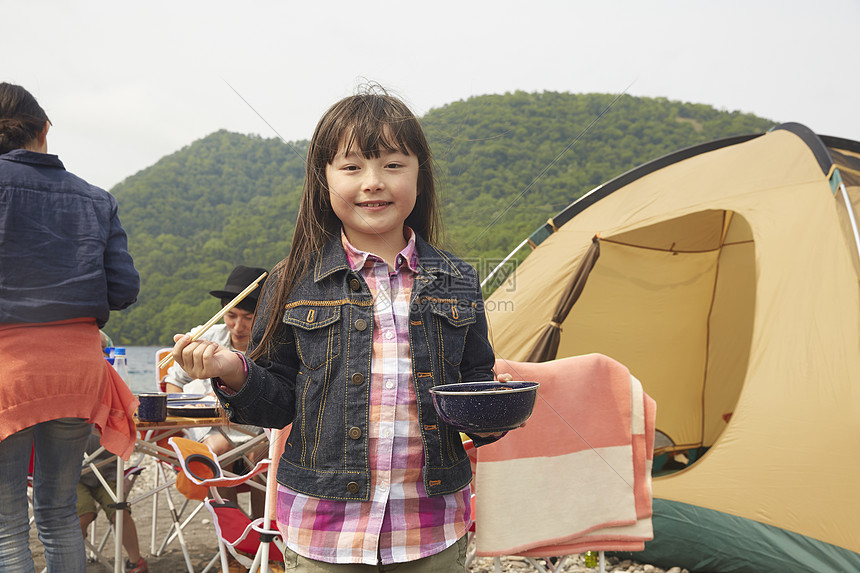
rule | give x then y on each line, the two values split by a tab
33	158
431	261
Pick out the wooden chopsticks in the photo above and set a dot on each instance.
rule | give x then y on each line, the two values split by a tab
169	358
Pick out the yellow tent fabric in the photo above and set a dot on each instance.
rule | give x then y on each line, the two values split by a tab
728	284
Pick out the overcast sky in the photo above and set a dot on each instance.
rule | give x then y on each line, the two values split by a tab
128	83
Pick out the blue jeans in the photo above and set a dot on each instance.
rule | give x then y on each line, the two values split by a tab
59	450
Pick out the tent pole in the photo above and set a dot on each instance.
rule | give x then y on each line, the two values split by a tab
851	216
505	260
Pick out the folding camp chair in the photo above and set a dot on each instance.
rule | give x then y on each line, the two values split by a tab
160	371
92	464
201	477
590	443
155	445
168	467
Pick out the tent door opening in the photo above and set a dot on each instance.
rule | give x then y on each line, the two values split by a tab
674	301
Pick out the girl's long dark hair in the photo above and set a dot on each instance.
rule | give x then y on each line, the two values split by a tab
21	118
371	122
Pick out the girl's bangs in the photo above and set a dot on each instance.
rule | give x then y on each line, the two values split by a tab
371	139
371	124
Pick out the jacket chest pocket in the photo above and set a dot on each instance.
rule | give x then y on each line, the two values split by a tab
317	332
452	320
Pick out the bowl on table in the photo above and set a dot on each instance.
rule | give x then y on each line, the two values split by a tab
485	406
152	407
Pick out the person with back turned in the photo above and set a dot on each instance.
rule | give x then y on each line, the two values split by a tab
64	265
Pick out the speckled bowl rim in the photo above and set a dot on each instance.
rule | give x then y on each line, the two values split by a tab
456	389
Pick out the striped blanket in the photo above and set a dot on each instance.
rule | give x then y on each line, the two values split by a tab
578	476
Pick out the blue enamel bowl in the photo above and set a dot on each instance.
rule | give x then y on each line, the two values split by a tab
485	406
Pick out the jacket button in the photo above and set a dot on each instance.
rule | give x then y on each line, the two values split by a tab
357	378
355	433
355	285
352	487
360	324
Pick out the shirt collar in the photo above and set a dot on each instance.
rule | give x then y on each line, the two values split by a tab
428	261
357	259
33	158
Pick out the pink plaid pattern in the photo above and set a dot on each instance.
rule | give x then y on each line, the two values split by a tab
400	522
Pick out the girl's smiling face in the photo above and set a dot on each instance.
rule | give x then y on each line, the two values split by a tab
372	196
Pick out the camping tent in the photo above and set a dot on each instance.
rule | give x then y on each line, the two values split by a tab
725	277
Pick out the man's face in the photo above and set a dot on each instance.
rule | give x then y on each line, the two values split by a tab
239	323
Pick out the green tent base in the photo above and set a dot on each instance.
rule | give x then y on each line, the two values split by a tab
703	540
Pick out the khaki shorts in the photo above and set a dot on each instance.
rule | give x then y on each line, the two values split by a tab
451	560
87	498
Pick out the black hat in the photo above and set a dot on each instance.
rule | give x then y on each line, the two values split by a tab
239	279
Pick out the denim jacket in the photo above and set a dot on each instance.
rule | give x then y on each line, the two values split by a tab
319	380
63	251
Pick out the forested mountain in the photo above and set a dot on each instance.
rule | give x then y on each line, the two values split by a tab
505	164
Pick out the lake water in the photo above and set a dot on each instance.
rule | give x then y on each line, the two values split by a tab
141	368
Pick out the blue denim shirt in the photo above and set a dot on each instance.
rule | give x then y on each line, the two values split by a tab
63	252
319	378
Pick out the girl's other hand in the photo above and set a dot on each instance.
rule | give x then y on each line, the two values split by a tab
489	435
205	359
498	434
504	378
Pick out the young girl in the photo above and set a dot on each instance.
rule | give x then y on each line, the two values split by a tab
354	327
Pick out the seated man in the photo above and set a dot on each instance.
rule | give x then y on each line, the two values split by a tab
233	334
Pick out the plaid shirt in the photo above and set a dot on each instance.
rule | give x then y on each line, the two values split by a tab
400	522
